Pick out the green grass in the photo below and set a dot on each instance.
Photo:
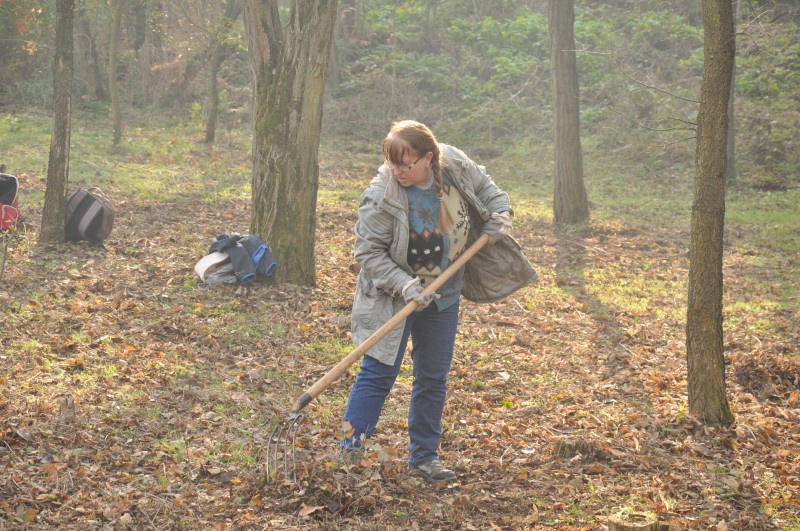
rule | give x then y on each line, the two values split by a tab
755	316
156	163
329	350
771	219
25	141
345	199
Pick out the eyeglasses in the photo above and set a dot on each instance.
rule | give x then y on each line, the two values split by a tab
402	167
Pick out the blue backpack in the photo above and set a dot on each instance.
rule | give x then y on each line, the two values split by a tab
249	256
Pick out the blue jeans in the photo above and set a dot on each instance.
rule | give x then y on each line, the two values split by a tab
433	335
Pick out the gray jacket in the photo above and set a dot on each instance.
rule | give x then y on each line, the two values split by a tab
497	271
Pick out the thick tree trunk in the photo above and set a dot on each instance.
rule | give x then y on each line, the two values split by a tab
570	204
635	521
289	66
704	344
58	166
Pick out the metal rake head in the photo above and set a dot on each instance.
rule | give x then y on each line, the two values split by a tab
281	449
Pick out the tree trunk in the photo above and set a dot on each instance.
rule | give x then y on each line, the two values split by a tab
346	35
730	147
570	204
232	11
730	166
635	521
289	65
90	58
704	345
139	24
213	97
179	91
113	61
54	210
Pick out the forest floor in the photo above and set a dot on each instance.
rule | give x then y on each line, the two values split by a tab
132	396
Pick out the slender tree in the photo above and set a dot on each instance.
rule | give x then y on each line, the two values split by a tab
113	61
570	204
704	343
289	64
233	9
88	56
730	165
53	211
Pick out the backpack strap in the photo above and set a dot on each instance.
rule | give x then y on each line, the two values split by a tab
223	242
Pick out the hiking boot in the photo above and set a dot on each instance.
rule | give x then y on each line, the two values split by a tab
433	471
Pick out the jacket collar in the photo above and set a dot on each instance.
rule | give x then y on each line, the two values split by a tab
389	193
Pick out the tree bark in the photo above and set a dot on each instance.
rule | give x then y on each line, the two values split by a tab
233	9
704	341
213	97
54	210
289	65
113	61
90	58
730	166
570	204
636	521
139	24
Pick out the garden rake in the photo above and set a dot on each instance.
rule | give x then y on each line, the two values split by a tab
281	448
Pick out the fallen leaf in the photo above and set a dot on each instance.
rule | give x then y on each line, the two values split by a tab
305	510
29	515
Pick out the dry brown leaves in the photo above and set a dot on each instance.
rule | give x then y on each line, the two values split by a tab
134	398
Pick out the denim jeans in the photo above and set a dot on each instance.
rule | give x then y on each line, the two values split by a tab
433	335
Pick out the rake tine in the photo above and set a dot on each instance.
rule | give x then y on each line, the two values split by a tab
281	448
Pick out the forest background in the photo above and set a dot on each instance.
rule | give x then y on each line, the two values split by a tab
568	401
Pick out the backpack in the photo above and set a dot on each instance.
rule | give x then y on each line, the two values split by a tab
9	209
90	216
239	259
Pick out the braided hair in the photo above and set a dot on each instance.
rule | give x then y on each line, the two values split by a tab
410	135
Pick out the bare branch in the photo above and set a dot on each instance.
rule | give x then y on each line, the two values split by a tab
619	66
642	83
658	129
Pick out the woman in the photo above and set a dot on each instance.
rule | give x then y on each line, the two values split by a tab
427	203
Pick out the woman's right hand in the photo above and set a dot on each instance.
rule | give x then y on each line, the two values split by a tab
412	292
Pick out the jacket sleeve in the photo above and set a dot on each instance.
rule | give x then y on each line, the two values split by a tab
375	230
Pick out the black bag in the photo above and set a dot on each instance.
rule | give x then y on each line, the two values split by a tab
90	216
9	210
243	266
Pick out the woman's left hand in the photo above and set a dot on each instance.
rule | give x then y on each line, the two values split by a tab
498	226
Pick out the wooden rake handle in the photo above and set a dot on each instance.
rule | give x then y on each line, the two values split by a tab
334	374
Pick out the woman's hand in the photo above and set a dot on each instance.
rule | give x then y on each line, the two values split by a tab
498	226
412	291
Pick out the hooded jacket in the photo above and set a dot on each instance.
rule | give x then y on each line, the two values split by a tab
381	248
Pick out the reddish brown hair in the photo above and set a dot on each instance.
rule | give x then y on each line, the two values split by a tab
410	136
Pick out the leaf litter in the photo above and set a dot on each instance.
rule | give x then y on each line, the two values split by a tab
133	396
